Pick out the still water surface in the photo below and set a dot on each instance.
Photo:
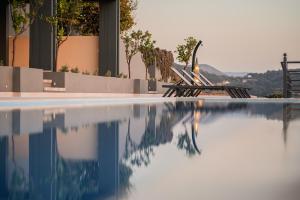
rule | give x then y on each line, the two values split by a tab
182	150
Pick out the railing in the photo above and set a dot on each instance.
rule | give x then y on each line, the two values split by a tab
290	78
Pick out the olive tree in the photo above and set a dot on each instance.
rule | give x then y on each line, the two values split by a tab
22	18
89	18
132	44
147	51
185	50
64	21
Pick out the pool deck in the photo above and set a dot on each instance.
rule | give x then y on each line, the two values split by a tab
45	100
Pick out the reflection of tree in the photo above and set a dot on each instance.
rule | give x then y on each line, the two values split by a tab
185	143
18	183
76	178
125	174
140	154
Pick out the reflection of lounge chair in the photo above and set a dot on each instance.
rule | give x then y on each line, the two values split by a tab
192	85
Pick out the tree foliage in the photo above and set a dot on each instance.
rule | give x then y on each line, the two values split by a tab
147	50
126	14
22	18
164	62
185	50
66	18
132	44
89	18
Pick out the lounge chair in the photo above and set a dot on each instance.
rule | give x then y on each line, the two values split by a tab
183	87
190	86
233	91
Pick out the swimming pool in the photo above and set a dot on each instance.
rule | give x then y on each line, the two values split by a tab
167	150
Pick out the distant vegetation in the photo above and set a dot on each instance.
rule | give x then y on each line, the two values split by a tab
268	84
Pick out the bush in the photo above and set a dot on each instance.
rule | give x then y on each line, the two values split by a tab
275	96
1	63
75	70
64	68
85	72
96	72
108	73
121	75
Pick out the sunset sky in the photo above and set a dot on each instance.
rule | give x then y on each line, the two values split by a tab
238	35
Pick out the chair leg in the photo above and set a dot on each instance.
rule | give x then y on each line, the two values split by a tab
167	92
198	93
238	91
172	92
229	92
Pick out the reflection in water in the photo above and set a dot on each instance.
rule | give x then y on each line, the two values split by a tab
36	161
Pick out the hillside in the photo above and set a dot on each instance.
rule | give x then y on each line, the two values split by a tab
261	84
205	68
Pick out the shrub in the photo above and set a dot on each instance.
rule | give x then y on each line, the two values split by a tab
108	73
75	70
275	96
64	68
121	75
96	72
85	72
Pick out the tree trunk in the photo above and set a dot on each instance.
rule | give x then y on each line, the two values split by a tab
128	64
14	50
186	65
56	58
146	73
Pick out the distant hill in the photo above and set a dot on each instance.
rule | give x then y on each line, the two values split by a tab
261	84
206	68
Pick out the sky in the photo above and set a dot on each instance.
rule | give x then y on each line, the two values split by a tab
238	35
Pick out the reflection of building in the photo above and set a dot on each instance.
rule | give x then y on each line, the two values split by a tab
70	153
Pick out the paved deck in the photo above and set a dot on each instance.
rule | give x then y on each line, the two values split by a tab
45	100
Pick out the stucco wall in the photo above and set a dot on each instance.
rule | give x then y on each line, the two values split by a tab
81	52
78	83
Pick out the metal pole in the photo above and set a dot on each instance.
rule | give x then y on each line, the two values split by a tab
284	71
194	54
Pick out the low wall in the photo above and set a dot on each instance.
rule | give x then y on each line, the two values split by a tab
79	83
16	79
27	80
159	88
6	79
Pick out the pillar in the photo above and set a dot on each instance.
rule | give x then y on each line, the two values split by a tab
42	40
3	32
109	37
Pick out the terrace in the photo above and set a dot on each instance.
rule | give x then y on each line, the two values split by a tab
36	50
81	125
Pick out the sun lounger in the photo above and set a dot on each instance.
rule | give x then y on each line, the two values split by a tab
190	86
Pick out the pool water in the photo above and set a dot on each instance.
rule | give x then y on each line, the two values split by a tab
176	150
